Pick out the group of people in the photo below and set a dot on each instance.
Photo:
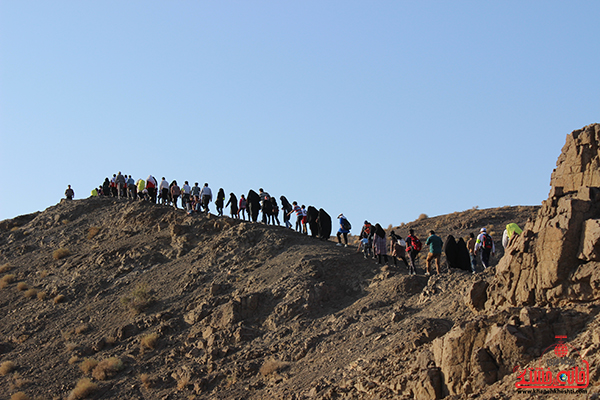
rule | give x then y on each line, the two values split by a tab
197	199
372	239
459	254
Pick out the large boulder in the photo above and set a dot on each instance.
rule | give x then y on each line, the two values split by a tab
555	259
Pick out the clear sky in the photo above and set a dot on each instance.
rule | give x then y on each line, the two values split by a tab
382	110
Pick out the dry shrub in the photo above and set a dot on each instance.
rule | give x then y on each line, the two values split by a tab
65	221
19	396
14	229
140	299
149	341
107	368
43	274
422	217
18	382
7	280
7	367
147	380
88	365
70	346
42	296
272	366
61	253
59	299
83	389
22	286
30	293
5	268
74	360
93	231
82	329
111	340
183	381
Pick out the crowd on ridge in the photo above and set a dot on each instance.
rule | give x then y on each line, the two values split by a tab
372	239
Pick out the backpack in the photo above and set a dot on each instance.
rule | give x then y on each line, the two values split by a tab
487	241
368	229
415	243
346	224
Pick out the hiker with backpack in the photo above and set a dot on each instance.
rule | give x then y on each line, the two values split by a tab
413	247
486	244
345	227
436	244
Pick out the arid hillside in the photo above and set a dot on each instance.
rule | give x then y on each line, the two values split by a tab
114	299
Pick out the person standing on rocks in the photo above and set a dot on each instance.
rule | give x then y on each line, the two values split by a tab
397	248
366	237
175	192
413	247
471	248
121	185
164	191
242	207
510	233
69	193
487	246
220	201
151	187
265	205
344	229
436	245
206	195
380	244
296	208
287	210
233	205
186	191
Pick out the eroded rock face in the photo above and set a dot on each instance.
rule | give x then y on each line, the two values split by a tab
555	258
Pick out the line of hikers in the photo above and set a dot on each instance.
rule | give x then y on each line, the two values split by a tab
197	199
459	254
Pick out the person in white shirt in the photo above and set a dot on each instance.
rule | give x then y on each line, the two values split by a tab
206	196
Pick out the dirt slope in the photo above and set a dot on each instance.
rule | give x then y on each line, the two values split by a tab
214	308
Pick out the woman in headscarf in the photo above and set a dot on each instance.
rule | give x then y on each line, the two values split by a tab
379	244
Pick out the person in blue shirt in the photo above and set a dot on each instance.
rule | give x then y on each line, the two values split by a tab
435	244
344	230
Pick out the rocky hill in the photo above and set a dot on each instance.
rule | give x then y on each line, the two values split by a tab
105	298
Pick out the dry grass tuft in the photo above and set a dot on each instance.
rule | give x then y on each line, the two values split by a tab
59	299
149	341
88	365
41	296
65	221
422	217
43	274
61	253
22	286
19	396
93	231
83	389
30	293
140	299
7	367
5	268
7	280
272	366
14	229
107	368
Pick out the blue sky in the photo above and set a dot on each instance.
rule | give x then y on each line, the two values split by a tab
382	110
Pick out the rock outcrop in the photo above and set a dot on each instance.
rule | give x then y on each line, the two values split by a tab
556	259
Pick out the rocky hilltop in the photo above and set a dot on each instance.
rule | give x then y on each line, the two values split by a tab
103	298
